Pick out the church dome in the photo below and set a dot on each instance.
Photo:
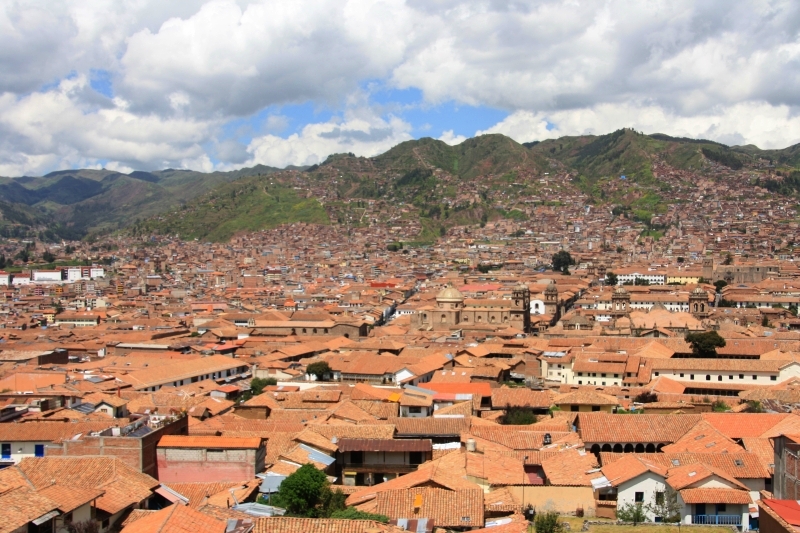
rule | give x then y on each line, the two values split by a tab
450	294
551	288
621	290
699	291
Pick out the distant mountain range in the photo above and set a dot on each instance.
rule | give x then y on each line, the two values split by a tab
448	185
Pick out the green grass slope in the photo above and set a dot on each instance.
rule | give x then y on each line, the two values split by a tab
249	204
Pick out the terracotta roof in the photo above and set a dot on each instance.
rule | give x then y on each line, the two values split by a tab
123	485
447	508
22	505
50	431
570	468
506	397
703	438
630	467
737	465
731	496
198	493
739	425
230	443
284	524
430	426
176	519
70	498
614	428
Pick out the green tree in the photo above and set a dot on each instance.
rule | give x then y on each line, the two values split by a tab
547	522
611	279
257	384
754	406
728	259
705	344
519	417
562	260
48	257
300	492
641	282
331	502
632	512
720	407
318	369
666	506
24	255
2	261
719	284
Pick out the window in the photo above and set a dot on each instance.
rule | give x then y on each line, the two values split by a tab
741	376
574	408
638	497
755	377
720	508
596	408
580	382
616	375
659	498
357	458
580	373
604	383
6	450
602	375
656	373
730	377
708	377
415	410
691	376
415	458
719	378
67	518
773	378
681	374
38	450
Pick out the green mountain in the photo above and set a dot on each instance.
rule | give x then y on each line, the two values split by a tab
248	204
73	203
426	180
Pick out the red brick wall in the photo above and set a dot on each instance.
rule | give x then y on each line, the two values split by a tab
140	453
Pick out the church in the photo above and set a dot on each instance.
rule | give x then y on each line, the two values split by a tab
452	311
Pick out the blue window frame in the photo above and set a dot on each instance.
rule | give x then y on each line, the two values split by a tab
38	450
6	450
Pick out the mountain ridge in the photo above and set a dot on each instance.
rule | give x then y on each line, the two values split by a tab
480	179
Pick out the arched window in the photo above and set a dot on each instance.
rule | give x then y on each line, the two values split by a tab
444	318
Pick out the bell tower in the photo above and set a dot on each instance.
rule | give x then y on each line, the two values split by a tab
698	303
522	300
620	302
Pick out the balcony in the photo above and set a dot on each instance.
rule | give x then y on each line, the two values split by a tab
717	519
379	467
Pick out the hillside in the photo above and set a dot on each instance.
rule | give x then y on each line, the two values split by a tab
425	183
73	203
249	204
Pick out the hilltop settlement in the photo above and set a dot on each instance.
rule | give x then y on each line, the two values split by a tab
464	350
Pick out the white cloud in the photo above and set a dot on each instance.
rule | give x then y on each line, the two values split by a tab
361	133
451	138
183	70
54	129
757	123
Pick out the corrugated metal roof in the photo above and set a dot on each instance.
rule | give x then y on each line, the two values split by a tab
376	445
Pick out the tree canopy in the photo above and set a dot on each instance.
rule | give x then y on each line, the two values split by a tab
562	260
318	369
611	278
705	344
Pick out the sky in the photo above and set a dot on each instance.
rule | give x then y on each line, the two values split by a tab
224	84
